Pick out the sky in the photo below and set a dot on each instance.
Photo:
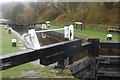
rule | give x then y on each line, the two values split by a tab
2	1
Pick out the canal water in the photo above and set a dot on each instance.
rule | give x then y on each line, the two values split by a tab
43	41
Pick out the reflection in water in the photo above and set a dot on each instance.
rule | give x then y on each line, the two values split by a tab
46	41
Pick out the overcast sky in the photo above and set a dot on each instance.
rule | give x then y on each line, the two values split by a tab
1	1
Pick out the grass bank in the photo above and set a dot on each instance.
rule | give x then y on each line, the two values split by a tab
7	42
0	40
90	33
33	71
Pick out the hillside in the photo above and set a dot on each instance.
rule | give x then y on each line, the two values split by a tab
105	13
93	16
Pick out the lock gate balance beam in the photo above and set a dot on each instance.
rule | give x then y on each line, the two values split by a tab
18	58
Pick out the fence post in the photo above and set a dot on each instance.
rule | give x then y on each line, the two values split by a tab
92	54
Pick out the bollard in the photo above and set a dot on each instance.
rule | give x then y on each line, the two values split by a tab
109	37
6	27
48	23
9	31
14	43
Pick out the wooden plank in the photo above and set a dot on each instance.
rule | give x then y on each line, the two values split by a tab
108	66
110	45
70	50
108	73
79	65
